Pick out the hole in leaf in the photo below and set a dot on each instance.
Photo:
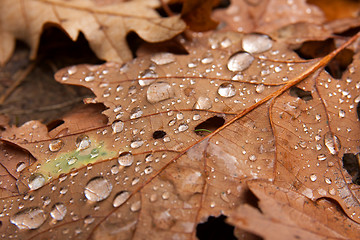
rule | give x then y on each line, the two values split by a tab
298	92
159	134
209	125
351	164
215	228
317	49
54	124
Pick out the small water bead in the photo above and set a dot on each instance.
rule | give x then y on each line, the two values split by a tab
148	170
163	58
126	159
58	211
97	189
240	61
203	103
159	91
136	143
89	220
83	142
328	180
196	117
72	70
148	73
136	113
183	127
135	181
227	90
71	160
120	198
114	169
252	158
56	145
357	99
149	158
256	43
341	113
332	143
89	78
313	177
260	88
20	166
117	126
165	195
30	218
321	157
36	181
135	206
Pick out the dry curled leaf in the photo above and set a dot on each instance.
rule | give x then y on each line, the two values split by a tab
186	133
105	26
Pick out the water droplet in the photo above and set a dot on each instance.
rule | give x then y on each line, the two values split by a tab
163	220
239	61
203	103
120	198
328	180
148	170
135	206
196	117
256	43
313	177
58	211
20	166
72	160
252	158
30	218
82	142
36	181
183	127
56	145
321	157
165	195
260	88
97	189
226	90
163	58
341	113
89	78
136	113
117	126
126	159
89	220
136	143
302	144
159	91
332	143
148	73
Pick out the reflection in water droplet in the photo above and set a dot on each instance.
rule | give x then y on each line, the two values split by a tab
148	73
126	159
158	92
97	189
56	145
120	198
136	113
332	143
203	103
163	58
135	206
227	90
117	126
148	170
256	43
82	142
183	127
36	181
58	211
239	61
30	218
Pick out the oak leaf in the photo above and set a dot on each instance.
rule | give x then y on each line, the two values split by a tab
105	26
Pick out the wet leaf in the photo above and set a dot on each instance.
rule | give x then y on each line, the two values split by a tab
105	25
148	171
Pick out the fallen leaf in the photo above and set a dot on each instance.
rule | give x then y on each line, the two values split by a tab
186	134
105	26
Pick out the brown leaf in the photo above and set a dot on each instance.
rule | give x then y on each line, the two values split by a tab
286	214
105	26
156	169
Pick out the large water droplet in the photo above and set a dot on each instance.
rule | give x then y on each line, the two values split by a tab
20	166
117	126
36	181
183	127
148	73
332	143
82	142
163	58
97	189
227	90
203	103
56	145
239	61
256	43
159	91
58	211
121	198
136	143
30	218
126	159
136	113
